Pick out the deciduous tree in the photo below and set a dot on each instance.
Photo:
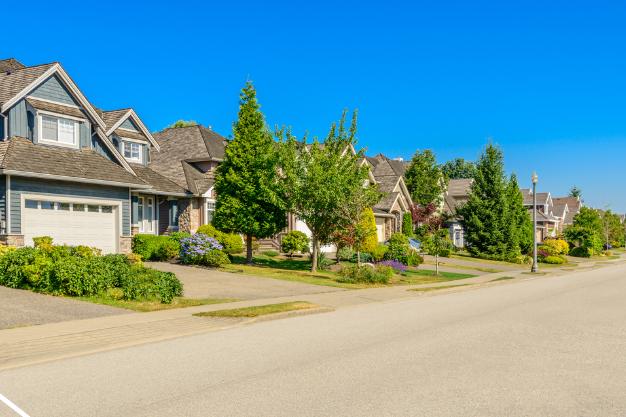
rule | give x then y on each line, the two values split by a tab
424	179
458	169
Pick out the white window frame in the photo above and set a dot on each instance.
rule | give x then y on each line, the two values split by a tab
145	225
77	122
206	209
140	203
139	159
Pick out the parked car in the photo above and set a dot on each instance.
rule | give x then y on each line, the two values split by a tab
607	246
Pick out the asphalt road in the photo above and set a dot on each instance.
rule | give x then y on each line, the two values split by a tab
552	346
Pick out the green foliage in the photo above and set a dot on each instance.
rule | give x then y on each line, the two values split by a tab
556	246
458	169
43	242
581	252
379	252
256	246
424	178
295	241
521	221
352	274
210	231
368	223
489	221
407	224
345	254
588	238
365	257
398	239
177	236
414	260
182	123
67	271
385	270
399	253
322	260
554	260
152	247
216	258
231	242
323	183
576	192
248	181
588	218
270	253
6	249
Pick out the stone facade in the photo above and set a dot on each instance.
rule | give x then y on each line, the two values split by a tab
12	240
126	244
389	227
134	230
188	215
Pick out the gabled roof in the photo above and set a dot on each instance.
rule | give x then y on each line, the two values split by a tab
385	166
12	84
573	203
542	217
569	217
116	120
21	155
542	198
180	147
460	187
559	210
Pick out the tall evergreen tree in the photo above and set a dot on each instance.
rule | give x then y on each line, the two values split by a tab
247	180
424	179
485	216
576	192
521	220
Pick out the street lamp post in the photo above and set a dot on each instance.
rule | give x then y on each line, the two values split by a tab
534	179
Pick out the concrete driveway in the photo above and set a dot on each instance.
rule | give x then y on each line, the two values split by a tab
206	283
26	308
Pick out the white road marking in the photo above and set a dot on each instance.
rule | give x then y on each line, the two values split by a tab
13	406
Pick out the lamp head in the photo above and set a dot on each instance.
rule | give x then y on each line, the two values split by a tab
534	178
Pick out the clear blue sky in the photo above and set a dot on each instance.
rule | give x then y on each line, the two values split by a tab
546	79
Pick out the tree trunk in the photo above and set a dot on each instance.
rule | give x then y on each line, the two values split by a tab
358	258
249	249
437	262
314	254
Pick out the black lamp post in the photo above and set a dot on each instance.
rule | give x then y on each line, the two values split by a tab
534	179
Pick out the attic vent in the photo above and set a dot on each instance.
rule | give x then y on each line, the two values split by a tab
398	159
11	71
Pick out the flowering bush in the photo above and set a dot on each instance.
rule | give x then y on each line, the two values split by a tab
556	246
194	249
397	267
397	253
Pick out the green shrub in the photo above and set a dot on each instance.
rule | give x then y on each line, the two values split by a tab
232	243
43	242
556	246
546	248
294	241
216	258
414	260
379	252
398	239
177	236
270	253
554	260
398	253
345	254
368	221
167	250
365	257
581	252
353	274
385	270
407	224
147	246
210	231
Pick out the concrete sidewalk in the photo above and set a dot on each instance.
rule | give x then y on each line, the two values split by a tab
23	346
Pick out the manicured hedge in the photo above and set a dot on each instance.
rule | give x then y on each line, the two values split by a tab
64	270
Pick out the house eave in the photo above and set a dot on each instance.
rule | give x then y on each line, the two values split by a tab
71	179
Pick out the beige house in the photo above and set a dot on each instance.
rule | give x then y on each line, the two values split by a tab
456	195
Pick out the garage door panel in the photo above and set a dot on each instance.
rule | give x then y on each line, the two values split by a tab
72	227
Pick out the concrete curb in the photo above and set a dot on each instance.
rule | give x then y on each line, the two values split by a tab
288	314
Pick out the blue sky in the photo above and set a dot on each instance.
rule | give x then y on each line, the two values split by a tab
547	80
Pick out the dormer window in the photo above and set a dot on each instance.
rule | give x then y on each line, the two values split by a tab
59	131
132	151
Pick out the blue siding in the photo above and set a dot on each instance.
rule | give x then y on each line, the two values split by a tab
135	209
129	124
98	146
20	185
54	89
18	120
84	136
144	154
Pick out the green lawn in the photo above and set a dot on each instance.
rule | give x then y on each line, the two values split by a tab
501	279
259	310
467	257
297	269
473	268
145	306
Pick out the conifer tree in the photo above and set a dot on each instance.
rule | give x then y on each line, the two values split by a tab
247	186
520	219
485	216
424	179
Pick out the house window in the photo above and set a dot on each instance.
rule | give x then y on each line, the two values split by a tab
132	151
54	129
145	214
31	204
210	211
140	213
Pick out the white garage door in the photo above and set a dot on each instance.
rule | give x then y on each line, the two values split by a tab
72	223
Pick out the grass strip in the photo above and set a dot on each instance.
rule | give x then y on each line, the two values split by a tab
473	268
147	306
259	310
501	279
437	288
534	273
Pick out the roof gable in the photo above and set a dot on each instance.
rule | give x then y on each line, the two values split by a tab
129	125
53	89
120	117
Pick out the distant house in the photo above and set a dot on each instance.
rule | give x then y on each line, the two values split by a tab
456	195
547	224
573	206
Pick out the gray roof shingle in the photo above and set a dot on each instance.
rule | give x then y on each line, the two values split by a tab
10	64
573	203
11	85
158	181
460	187
113	116
22	155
